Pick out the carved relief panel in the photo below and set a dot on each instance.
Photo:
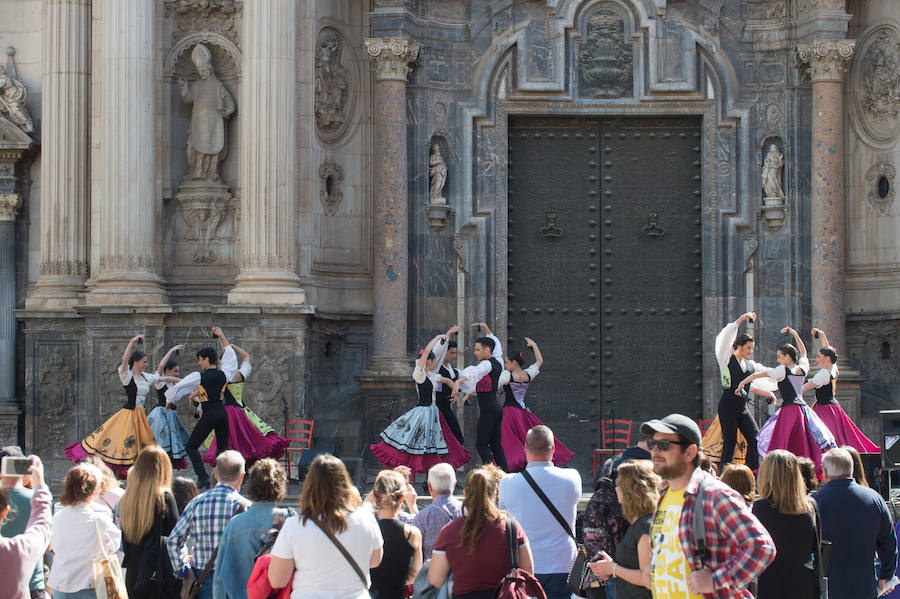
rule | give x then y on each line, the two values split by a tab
604	58
336	85
875	85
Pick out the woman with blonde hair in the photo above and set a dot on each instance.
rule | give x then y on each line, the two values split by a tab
402	542
146	509
308	544
474	546
787	513
637	488
80	533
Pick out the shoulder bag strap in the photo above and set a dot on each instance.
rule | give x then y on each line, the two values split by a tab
698	525
207	569
817	550
512	545
540	493
343	551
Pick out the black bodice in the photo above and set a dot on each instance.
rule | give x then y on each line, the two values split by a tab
424	391
790	388
160	397
825	393
130	394
443	393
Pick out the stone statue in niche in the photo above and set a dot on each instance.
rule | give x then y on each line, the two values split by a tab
212	104
605	58
13	95
331	84
771	174
438	172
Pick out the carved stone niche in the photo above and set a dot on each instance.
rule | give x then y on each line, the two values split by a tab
880	185
772	168
875	85
438	209
336	88
331	186
193	16
604	57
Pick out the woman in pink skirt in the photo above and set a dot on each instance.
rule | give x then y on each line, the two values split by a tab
794	427
420	438
827	407
518	419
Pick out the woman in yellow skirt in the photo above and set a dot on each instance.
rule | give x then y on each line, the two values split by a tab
121	438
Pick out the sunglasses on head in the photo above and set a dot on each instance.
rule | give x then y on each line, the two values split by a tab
664	444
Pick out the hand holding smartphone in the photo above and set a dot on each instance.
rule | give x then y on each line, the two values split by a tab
15	466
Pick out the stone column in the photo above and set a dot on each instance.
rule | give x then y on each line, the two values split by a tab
65	118
826	61
268	157
9	208
127	203
391	58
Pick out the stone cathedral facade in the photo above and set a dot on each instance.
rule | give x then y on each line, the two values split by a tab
335	181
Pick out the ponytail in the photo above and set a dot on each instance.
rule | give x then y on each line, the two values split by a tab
389	488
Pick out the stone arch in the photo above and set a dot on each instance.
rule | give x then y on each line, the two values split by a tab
226	55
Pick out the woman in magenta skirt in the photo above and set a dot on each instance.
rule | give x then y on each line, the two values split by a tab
794	426
420	438
517	418
827	407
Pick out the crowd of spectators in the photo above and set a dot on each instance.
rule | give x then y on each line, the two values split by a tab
660	523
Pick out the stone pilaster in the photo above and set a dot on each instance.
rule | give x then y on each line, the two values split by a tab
65	117
826	61
391	59
268	158
127	204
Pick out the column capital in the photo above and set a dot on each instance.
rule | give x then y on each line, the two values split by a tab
9	206
826	59
392	56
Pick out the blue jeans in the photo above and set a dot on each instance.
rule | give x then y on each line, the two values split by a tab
554	585
82	594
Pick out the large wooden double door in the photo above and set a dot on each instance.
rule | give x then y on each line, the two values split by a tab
605	269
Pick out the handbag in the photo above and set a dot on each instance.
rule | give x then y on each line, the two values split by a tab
518	583
191	584
109	583
344	552
258	586
578	571
821	552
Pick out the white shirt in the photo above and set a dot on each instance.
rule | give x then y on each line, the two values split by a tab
823	377
552	549
75	544
322	572
143	381
189	384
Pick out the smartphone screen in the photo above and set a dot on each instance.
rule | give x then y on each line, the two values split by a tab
14	466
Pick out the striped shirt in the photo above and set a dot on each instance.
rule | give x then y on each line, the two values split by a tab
202	524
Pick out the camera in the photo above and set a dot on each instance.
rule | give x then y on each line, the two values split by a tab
14	466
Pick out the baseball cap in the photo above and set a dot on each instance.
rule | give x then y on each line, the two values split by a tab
677	424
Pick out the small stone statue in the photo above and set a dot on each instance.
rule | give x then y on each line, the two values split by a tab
12	100
438	174
331	85
212	105
771	174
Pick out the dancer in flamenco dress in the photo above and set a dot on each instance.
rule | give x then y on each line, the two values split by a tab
794	426
167	427
517	418
827	407
121	438
420	438
244	435
734	422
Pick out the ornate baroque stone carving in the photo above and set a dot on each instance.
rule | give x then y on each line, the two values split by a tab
822	5
203	213
605	58
880	185
332	83
331	180
206	15
13	95
826	59
875	85
55	390
392	56
9	206
212	104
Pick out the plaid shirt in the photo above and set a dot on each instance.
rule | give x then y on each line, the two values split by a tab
740	548
432	518
203	522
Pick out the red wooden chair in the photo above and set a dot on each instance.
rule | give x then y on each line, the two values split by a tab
705	424
615	435
299	432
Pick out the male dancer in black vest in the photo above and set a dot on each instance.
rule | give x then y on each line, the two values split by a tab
442	394
206	387
487	432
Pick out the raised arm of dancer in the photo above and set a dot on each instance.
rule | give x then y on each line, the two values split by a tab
245	369
423	357
162	363
229	364
440	350
498	348
538	358
218	333
128	351
725	338
801	347
822	338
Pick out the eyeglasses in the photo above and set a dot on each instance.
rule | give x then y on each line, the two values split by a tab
664	444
